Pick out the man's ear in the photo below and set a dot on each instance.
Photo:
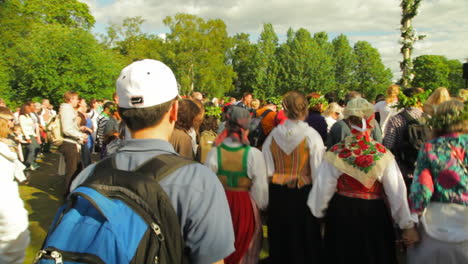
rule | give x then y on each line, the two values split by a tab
173	111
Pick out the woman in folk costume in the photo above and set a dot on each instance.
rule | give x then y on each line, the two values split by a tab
241	170
293	152
439	192
355	177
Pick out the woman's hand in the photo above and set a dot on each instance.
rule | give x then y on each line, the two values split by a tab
410	236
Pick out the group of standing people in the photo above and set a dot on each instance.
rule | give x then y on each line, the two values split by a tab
328	181
348	202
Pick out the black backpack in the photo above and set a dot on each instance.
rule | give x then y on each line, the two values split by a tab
119	217
257	135
415	135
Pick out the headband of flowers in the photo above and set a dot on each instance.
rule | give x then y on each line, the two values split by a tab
213	111
274	100
405	101
318	101
448	119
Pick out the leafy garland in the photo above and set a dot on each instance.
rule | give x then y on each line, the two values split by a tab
213	111
448	119
275	100
408	38
313	102
405	101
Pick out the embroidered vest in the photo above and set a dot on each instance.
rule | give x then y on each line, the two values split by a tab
232	167
350	187
292	170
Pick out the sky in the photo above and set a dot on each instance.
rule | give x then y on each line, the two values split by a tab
445	22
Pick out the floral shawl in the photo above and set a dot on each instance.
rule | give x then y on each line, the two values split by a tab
360	157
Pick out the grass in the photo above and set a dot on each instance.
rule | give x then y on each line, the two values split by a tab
42	196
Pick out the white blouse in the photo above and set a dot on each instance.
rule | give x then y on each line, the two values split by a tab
256	171
391	179
13	216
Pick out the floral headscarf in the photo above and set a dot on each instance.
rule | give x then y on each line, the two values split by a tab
237	125
358	155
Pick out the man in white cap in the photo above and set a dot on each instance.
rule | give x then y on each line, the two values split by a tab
148	105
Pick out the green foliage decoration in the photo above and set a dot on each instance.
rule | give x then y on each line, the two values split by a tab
213	111
405	101
313	102
448	119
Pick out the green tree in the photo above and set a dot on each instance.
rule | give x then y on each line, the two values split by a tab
243	63
370	76
129	41
324	77
266	69
55	59
197	52
431	72
70	13
345	63
455	76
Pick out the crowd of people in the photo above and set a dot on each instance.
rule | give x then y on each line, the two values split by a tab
335	180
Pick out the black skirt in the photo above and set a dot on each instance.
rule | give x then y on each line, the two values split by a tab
358	231
293	232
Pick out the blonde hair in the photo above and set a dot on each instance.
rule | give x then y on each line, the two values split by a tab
333	108
392	92
5	114
67	96
255	103
437	97
295	105
448	108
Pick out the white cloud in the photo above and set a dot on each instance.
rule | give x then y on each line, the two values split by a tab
377	21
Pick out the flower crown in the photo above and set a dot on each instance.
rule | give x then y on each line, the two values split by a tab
448	119
213	111
318	101
405	101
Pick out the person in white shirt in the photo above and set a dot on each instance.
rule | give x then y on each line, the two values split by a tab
30	132
385	108
332	114
14	233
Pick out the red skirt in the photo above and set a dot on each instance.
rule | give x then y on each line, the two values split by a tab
243	219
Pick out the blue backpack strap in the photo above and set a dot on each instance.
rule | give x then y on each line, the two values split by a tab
103	205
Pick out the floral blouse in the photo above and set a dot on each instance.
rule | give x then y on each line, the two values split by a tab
441	173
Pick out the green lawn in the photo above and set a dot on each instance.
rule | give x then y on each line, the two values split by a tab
42	196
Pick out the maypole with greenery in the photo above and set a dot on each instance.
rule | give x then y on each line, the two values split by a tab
408	38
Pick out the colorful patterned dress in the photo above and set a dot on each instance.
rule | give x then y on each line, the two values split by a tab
439	194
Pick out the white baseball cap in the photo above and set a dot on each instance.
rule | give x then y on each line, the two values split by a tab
146	83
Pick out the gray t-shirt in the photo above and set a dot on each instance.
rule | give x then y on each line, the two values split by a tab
196	195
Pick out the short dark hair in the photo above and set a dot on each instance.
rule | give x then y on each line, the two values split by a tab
140	118
188	110
209	123
352	95
247	94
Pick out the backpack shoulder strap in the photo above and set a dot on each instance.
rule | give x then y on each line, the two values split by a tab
163	165
265	113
